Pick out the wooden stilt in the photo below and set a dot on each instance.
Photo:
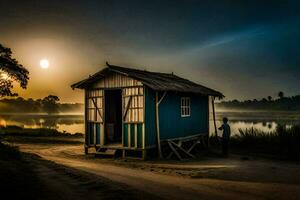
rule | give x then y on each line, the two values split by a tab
182	149
144	154
170	155
214	115
86	138
174	150
193	146
157	123
208	122
123	153
176	146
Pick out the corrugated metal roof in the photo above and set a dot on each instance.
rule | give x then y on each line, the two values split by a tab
155	80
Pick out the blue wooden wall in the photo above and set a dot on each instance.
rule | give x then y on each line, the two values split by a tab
150	123
172	125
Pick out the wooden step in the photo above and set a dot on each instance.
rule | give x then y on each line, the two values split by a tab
107	153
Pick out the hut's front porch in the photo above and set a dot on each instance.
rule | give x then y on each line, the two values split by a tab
118	150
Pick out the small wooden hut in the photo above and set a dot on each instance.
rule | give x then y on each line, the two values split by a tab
133	111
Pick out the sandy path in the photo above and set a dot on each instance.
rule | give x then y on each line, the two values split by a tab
213	185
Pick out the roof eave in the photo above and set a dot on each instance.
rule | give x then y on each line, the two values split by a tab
213	93
86	82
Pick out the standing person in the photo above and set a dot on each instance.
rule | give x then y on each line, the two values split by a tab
226	136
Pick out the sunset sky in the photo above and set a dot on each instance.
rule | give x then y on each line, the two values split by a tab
245	50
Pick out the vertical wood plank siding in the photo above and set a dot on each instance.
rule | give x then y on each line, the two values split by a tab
139	131
95	133
172	125
133	135
170	114
133	104
116	81
94	112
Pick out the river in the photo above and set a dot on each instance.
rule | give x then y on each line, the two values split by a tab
73	123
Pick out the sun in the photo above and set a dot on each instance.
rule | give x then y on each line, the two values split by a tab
44	63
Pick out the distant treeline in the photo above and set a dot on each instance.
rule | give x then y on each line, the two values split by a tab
281	103
49	104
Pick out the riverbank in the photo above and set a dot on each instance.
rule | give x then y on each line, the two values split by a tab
283	143
35	132
74	123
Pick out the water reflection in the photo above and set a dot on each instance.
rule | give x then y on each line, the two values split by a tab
63	123
265	121
236	125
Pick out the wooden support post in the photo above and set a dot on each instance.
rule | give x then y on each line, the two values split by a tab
129	135
102	134
95	134
174	150
214	115
170	155
143	135
208	122
182	149
135	136
157	123
193	146
144	154
86	148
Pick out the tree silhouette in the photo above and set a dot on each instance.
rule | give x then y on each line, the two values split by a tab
269	98
284	103
10	71
264	100
50	104
280	94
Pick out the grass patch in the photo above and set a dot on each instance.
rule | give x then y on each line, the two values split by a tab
283	143
31	132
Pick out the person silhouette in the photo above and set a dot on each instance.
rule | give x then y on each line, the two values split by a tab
225	136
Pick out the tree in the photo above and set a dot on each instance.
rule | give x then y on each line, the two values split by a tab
269	98
280	94
264	100
50	105
10	71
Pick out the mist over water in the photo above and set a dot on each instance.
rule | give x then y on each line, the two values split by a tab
74	122
70	123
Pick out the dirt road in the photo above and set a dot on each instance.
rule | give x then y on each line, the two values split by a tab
57	181
210	178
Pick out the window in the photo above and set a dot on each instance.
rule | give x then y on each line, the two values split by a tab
185	107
